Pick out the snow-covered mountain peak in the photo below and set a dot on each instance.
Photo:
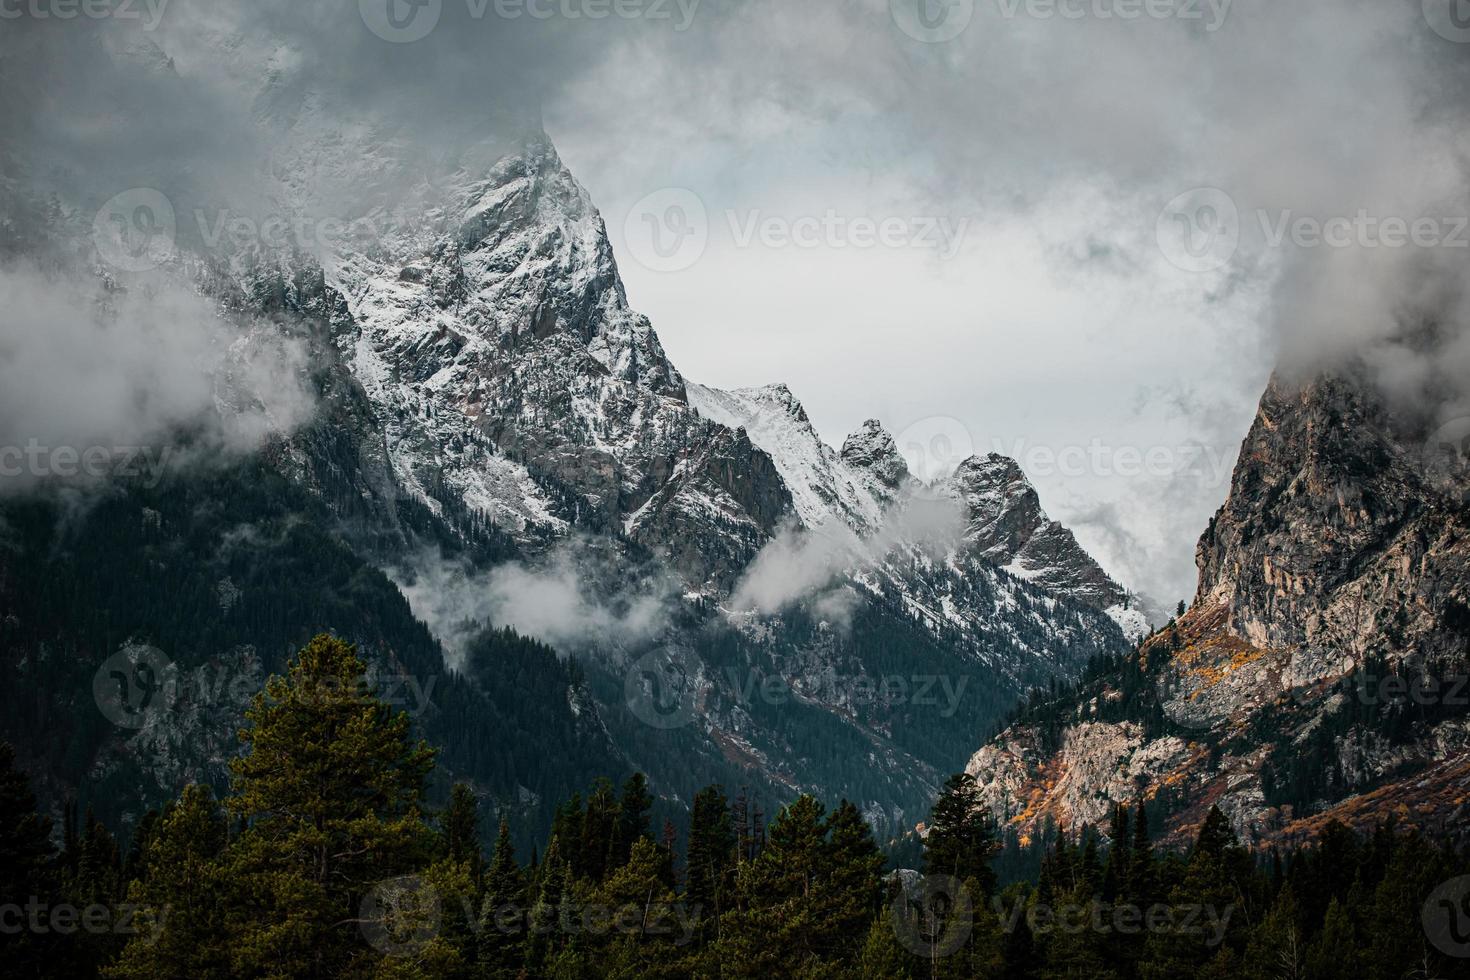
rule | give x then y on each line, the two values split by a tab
991	467
873	450
824	489
535	259
780	397
1006	525
1003	505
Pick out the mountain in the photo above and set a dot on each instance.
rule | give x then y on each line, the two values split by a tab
497	439
868	484
1319	673
851	489
1006	526
537	366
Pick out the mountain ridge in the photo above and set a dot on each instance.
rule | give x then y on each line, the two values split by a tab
1312	677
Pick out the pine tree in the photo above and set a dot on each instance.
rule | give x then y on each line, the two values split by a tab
1215	878
547	937
775	933
1336	953
668	841
1073	952
634	808
503	913
883	958
330	787
1089	872
184	896
458	878
1277	947
567	827
92	875
961	841
1141	884
1117	870
25	858
460	826
650	935
850	893
711	861
600	848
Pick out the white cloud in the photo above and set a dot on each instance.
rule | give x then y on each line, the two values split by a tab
153	371
562	601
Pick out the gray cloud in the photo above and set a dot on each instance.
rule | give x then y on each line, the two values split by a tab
98	382
1068	135
563	600
800	564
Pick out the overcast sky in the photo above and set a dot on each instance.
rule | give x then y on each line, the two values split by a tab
1047	315
962	218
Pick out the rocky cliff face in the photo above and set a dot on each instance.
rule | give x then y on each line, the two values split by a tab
1319	671
1339	533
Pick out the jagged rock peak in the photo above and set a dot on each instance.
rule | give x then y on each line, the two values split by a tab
779	396
1004	508
531	260
530	183
1006	525
872	448
1333	524
998	475
1340	558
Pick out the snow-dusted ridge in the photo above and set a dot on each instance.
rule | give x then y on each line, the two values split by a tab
862	488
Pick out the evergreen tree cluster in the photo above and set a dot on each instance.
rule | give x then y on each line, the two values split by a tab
324	860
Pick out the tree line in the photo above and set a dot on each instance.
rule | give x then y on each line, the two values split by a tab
326	859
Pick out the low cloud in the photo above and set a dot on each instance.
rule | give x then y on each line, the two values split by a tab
800	564
99	382
563	600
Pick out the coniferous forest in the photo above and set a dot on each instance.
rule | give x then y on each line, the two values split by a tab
326	858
